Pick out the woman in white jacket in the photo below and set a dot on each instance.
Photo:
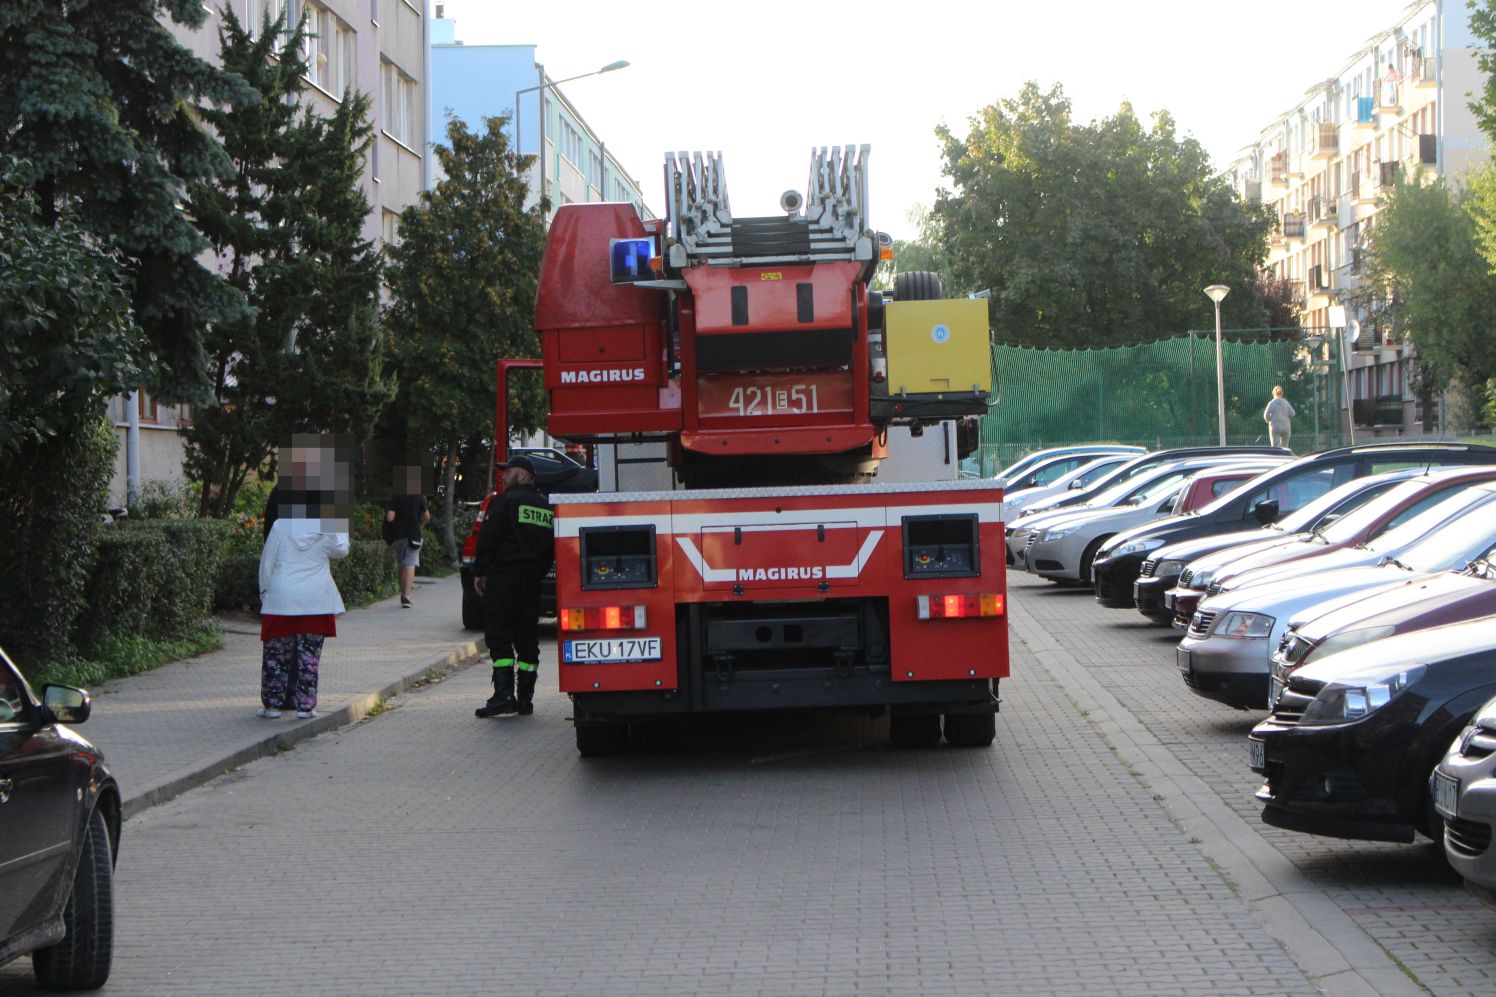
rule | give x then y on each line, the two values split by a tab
299	606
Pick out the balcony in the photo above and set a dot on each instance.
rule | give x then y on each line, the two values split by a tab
1293	227
1323	211
1383	410
1251	191
1425	72
1321	286
1366	113
1328	144
1277	169
1387	173
1428	150
1389	97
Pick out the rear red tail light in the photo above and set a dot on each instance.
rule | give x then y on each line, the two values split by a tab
602	618
957	607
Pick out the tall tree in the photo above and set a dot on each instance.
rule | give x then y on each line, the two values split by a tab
1428	279
1094	234
462	281
287	225
98	100
923	252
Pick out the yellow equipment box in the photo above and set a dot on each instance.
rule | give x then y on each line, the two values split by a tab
937	348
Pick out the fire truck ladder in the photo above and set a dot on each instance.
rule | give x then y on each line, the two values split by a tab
829	223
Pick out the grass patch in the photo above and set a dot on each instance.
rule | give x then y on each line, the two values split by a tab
118	655
381	706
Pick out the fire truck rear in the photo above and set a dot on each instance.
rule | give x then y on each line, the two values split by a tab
774	572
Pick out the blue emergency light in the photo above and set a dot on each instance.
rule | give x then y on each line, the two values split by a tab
630	260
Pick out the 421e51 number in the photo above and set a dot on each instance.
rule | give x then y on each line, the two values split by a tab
755	400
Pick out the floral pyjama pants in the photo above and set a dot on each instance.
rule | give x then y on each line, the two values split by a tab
288	672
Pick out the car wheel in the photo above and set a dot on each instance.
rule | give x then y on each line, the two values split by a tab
1089	556
81	960
970	730
472	613
919	730
601	740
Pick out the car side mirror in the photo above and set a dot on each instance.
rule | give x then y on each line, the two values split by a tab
65	705
1266	512
1077	485
1329	518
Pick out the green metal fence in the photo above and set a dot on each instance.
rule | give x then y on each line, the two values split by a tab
1160	394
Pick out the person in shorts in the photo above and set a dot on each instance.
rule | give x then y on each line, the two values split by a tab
404	515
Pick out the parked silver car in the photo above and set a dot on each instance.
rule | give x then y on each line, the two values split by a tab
1463	789
1025	529
1225	655
1014	473
1014	503
1063	549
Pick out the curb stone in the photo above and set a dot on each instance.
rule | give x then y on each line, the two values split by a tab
278	738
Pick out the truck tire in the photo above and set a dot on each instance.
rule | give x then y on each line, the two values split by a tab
970	730
918	285
602	740
914	731
81	960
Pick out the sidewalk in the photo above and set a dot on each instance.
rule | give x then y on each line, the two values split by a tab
174	728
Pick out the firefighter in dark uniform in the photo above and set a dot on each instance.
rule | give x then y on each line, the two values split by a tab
515	550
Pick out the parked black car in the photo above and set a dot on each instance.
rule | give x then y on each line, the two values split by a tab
1164	568
1119	562
1351	744
59	834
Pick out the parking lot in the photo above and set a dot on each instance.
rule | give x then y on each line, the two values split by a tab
1401	897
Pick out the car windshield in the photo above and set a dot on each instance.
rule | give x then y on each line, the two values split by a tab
1090	473
1341	501
1464	540
1157	491
1122	491
1420	526
1345	529
1230	497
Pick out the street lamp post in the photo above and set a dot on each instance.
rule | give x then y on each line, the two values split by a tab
1216	292
540	153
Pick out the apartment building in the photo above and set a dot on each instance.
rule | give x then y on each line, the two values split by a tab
573	163
376	47
1397	106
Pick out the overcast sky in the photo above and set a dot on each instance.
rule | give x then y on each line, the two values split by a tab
764	82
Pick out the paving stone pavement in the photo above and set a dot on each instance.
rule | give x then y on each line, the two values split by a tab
171	729
1403	897
423	851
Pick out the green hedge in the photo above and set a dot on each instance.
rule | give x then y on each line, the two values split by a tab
366	575
51	495
152	579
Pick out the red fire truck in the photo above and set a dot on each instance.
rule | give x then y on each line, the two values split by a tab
774	571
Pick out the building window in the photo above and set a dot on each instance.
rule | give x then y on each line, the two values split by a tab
595	171
571	143
330	47
149	410
390	228
398	104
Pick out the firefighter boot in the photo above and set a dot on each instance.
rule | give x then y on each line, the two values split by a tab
527	674
502	701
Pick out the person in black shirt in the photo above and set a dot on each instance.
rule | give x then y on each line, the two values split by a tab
515	550
405	513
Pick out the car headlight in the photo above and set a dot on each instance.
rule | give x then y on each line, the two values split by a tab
1349	639
1059	533
1168	568
1136	547
1244	625
1201	579
1352	697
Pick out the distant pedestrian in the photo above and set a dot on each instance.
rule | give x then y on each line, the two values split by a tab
299	602
1279	418
404	515
515	550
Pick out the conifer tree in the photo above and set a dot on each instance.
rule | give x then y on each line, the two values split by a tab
287	225
98	101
